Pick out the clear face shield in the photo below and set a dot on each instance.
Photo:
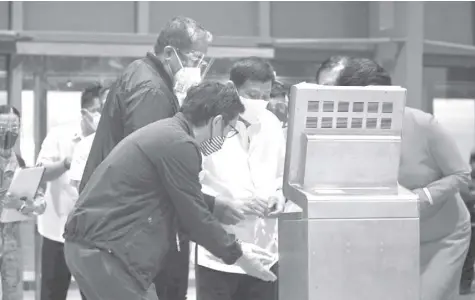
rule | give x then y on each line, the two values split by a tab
193	68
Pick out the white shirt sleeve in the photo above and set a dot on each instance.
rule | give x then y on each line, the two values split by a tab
78	161
266	152
50	151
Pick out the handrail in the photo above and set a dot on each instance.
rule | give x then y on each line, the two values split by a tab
469	48
310	41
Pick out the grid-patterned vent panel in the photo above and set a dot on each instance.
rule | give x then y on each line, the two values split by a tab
350	115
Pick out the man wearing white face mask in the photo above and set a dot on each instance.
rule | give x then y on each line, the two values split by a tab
151	89
55	155
83	148
248	169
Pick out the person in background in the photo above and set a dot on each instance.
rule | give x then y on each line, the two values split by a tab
152	89
82	150
278	103
11	256
127	216
432	167
246	170
468	196
55	155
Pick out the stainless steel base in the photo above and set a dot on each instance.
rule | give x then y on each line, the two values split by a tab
343	259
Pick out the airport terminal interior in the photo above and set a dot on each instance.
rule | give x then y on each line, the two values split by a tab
51	51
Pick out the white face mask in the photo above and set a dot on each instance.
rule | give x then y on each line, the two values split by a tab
253	108
185	78
96	117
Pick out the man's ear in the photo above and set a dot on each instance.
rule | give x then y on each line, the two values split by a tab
168	52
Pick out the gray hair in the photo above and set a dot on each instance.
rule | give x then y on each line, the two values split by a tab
181	32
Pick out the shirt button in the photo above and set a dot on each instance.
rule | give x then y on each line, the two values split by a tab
110	251
150	219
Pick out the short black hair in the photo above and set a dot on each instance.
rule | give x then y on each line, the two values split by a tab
331	63
363	72
278	89
8	109
356	71
210	99
89	94
180	32
251	68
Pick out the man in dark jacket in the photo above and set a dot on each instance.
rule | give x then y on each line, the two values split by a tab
147	92
468	197
127	217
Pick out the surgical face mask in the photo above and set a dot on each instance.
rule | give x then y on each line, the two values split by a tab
185	78
253	108
8	140
96	117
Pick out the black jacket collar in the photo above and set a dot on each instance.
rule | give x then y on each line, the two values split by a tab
158	65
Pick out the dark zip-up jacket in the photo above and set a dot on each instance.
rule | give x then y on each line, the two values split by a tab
129	205
143	94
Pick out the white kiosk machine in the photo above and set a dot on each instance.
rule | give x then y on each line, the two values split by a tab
357	236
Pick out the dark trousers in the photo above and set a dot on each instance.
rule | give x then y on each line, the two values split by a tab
55	274
101	276
468	266
216	285
172	282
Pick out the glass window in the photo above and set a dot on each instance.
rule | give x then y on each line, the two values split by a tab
458	118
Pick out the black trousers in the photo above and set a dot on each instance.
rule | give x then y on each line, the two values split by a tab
172	282
102	276
55	275
468	266
216	285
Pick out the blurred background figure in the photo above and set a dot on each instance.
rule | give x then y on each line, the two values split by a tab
278	103
11	256
83	148
432	167
56	155
468	196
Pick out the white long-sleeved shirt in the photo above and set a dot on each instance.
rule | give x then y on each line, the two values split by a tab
249	165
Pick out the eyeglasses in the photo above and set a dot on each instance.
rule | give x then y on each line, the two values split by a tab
193	56
233	132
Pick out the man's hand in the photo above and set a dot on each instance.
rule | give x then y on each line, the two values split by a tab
253	207
252	262
12	202
276	205
226	211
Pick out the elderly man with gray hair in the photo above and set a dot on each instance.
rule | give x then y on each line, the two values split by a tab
150	89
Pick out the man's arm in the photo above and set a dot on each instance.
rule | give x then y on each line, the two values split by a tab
179	173
50	159
455	171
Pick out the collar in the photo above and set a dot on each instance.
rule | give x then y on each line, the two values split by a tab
160	68
185	124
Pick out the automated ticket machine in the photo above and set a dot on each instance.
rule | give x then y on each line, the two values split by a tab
356	236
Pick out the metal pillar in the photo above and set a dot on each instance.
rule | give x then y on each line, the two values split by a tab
403	60
40	128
